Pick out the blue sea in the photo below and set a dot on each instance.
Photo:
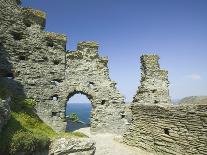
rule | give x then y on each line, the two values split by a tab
83	111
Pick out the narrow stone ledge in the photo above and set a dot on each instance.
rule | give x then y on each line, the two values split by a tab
90	45
74	55
56	36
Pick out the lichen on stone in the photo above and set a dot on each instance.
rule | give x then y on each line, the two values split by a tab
56	36
35	12
88	44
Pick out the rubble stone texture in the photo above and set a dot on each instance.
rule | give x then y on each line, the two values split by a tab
38	60
72	146
35	64
160	128
154	83
175	130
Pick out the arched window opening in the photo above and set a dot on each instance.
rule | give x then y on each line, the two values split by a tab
78	111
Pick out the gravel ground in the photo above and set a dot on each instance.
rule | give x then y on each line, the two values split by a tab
108	144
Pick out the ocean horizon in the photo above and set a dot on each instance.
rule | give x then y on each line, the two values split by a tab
83	110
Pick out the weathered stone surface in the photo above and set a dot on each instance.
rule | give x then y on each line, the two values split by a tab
159	127
169	130
38	60
35	64
87	73
154	83
64	146
4	112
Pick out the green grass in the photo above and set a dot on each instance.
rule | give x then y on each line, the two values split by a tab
25	131
73	117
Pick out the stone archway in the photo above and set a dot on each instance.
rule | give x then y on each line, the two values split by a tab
78	103
91	97
80	92
49	73
87	73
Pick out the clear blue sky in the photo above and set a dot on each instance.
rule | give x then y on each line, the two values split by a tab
174	29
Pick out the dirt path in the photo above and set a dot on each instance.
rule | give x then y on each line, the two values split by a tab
106	145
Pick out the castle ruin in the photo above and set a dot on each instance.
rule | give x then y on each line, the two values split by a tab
35	64
154	83
38	60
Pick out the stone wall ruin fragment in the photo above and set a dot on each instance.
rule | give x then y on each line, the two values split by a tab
51	75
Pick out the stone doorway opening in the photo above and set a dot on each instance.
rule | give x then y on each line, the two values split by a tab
78	111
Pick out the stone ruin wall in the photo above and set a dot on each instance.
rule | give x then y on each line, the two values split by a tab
154	83
160	127
36	60
179	130
87	73
41	69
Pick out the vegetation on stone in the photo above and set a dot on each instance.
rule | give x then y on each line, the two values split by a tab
32	60
57	36
25	131
73	117
35	12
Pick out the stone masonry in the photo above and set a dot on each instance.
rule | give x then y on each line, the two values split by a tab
159	127
38	60
154	83
87	73
178	130
35	64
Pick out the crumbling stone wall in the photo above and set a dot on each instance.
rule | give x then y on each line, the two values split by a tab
31	56
87	73
37	60
159	127
169	130
154	83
